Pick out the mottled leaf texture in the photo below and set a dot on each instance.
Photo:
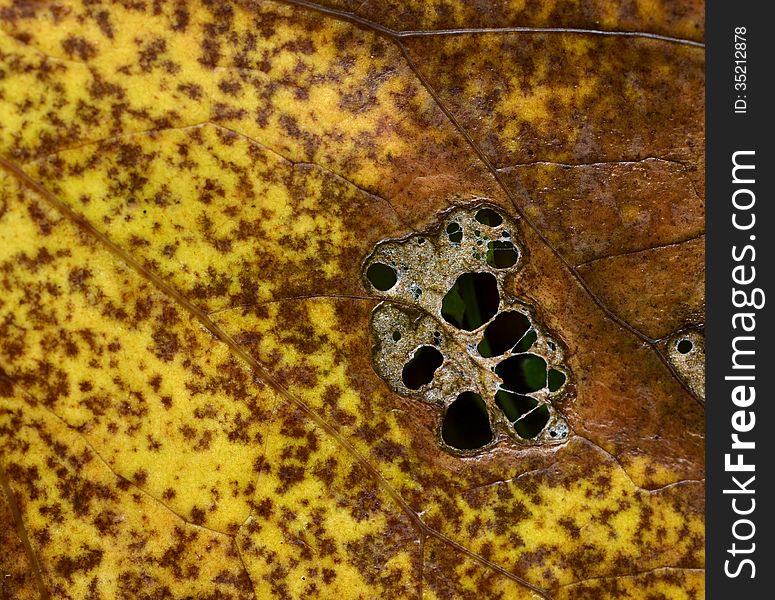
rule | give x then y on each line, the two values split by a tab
189	190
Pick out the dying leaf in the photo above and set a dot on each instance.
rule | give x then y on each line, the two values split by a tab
191	398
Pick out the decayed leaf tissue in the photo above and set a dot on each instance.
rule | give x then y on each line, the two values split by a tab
351	299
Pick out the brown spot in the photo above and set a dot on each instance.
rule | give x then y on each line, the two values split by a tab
197	516
192	90
230	87
204	441
41	219
77	46
149	55
181	18
103	21
570	526
140	477
188	432
89	558
289	476
167	344
107	522
155	382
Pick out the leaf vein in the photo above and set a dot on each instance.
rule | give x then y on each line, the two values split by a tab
355	18
640	250
21	531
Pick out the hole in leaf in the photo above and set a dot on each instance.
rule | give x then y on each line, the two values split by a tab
523	373
466	424
396	336
514	405
533	423
501	255
685	346
487	216
421	367
552	346
527	341
556	379
503	333
454	232
471	301
381	276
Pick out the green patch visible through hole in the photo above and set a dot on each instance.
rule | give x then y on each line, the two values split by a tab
533	423
501	254
466	423
471	301
487	216
454	232
526	342
421	367
684	346
555	379
381	276
523	373
396	336
514	405
503	333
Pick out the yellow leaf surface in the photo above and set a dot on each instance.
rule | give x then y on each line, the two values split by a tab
189	193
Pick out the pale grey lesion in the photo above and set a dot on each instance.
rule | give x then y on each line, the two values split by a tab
444	291
686	353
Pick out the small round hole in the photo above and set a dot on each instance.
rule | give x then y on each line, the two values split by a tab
684	346
381	276
454	232
487	216
501	255
396	336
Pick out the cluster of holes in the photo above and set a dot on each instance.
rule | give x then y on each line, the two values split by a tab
508	340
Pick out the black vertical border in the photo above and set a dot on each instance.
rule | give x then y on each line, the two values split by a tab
727	132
